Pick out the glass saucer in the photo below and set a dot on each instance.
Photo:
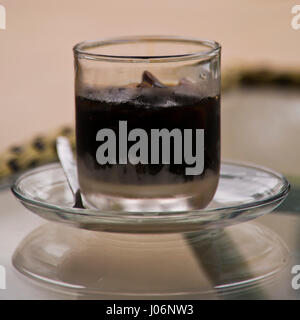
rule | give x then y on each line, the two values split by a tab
153	255
244	193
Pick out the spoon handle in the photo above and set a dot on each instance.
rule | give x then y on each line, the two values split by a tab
65	155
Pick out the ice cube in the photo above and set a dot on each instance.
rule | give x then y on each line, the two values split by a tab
149	81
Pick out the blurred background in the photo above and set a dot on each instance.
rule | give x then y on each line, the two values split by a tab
36	65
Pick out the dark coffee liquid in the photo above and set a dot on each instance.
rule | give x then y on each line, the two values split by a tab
146	108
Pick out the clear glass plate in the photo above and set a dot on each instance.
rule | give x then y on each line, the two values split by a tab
244	193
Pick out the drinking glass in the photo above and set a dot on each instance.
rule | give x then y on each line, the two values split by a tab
148	122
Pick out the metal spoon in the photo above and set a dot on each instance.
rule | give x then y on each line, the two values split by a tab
65	156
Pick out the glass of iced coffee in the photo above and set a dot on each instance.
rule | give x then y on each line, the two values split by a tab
148	122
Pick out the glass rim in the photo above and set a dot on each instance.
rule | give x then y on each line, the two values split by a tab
81	49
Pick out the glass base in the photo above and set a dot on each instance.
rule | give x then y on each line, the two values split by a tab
98	264
109	203
152	198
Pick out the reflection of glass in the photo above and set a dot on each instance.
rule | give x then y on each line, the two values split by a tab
146	83
110	265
